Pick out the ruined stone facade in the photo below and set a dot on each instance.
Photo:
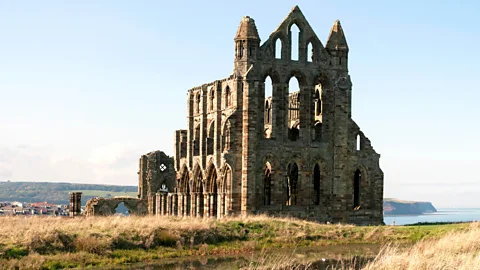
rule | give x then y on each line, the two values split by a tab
295	153
156	175
292	153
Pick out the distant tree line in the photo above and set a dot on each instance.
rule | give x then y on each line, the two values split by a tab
56	193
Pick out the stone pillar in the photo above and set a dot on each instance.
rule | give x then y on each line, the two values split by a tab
198	214
193	205
164	204
75	208
175	205
169	206
180	204
158	204
207	204
151	204
212	203
225	208
250	128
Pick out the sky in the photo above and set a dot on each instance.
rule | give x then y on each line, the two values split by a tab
87	87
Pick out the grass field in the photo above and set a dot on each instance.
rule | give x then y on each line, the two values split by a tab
53	243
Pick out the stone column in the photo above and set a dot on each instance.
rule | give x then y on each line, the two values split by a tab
75	204
221	205
161	204
158	205
180	204
206	202
212	205
198	214
175	205
169	205
193	205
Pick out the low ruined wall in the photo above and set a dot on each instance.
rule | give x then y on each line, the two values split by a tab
105	207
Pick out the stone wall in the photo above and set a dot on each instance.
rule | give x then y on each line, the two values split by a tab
106	207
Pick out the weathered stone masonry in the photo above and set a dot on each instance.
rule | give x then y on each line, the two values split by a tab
297	154
293	153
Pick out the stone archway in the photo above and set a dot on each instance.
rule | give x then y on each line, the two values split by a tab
106	207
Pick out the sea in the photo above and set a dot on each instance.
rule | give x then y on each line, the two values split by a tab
442	215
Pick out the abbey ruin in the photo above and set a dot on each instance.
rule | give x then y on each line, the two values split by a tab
295	153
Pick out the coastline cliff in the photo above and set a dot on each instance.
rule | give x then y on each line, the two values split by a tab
400	207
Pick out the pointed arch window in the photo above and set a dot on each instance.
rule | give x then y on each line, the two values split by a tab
310	52
267	185
268	108
228	98
278	48
197	103
295	40
211	138
227	136
358	143
196	140
318	103
292	184
356	188
293	109
212	99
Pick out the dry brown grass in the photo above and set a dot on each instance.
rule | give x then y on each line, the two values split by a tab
54	242
460	250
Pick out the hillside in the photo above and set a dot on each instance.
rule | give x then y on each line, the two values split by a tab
400	207
58	192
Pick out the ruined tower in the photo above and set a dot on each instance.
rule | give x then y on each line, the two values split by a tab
297	153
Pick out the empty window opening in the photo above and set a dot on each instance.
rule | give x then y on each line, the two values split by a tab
358	143
293	109
197	103
310	52
240	49
356	188
268	109
121	209
226	136
213	196
210	139
292	184
267	185
226	188
228	98
196	141
278	49
295	38
318	103
316	185
212	99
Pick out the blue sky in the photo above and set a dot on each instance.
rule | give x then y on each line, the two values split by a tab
87	87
